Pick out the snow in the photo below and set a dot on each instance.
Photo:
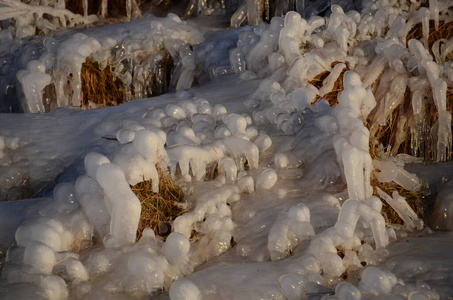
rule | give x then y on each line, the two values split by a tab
289	213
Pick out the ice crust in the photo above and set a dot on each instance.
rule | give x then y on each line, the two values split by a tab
246	213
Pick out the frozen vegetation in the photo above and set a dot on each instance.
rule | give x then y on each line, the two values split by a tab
291	212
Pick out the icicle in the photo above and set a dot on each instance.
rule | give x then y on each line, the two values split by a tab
191	9
239	16
237	60
390	171
253	12
434	9
403	209
419	130
400	134
128	9
104	5
328	83
85	8
444	137
424	14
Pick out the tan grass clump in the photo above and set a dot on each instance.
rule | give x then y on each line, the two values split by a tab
99	86
414	199
444	31
331	96
158	208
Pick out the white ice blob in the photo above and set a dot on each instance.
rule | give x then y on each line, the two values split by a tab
377	280
176	248
40	257
184	289
125	207
266	179
263	142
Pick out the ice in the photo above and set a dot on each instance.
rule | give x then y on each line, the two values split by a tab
76	271
288	231
278	193
39	232
195	158
242	149
228	167
389	171
443	207
184	289
377	280
237	60
403	209
263	142
357	166
40	257
125	136
329	82
246	184
293	285
34	80
54	286
266	179
176	248
124	206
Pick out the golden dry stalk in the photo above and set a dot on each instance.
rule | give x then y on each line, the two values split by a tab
100	86
331	96
412	198
444	31
158	208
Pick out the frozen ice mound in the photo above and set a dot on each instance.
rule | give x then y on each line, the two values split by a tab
251	153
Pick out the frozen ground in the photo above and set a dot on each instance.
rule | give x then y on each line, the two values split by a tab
291	213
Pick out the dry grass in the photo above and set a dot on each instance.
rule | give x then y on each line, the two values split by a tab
412	198
331	96
100	86
445	31
158	208
116	8
80	243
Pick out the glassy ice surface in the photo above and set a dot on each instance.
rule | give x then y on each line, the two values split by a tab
278	196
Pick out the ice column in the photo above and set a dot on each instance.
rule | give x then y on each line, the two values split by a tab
33	80
125	207
403	209
352	145
439	88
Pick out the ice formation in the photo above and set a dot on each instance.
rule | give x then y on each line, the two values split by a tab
266	178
